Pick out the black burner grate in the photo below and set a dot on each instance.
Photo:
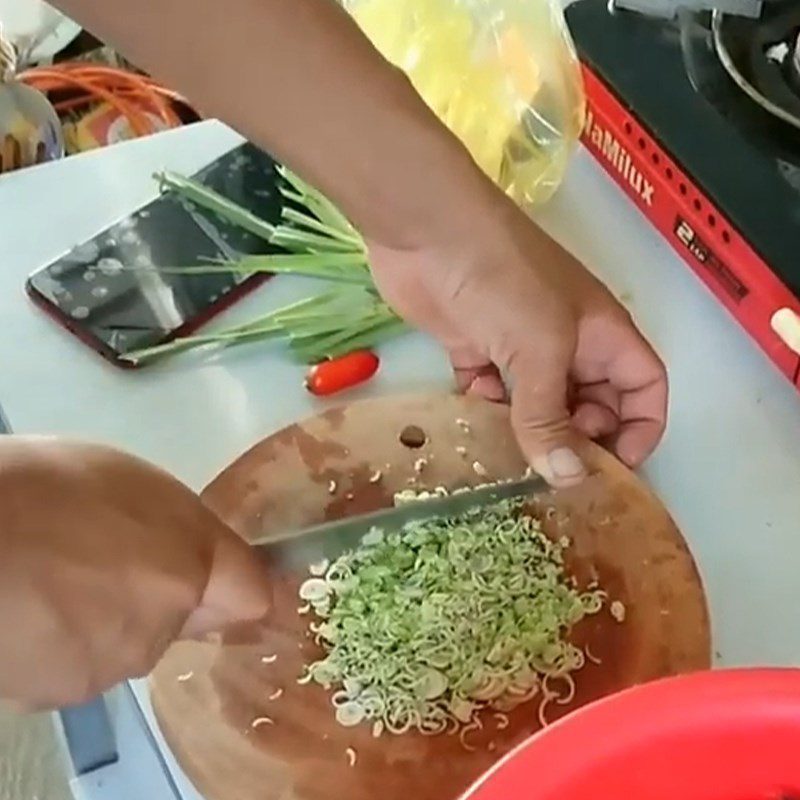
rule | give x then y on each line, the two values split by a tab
760	57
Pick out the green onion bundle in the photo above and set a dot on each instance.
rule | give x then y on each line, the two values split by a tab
319	242
423	629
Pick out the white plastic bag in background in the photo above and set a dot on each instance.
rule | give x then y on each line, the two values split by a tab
36	29
501	74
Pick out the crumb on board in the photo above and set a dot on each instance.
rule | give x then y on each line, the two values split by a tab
617	610
185	677
475	725
462	451
351	756
404	496
376	476
479	469
304	609
590	656
349	496
271	659
319	568
420	464
275	695
464	425
259	721
501	721
332	486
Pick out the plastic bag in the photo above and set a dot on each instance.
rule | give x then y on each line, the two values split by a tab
30	131
501	74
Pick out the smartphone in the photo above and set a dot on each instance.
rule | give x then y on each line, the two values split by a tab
109	292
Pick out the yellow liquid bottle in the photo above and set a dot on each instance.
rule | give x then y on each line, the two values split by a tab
501	74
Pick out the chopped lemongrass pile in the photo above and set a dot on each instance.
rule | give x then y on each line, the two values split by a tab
317	241
424	628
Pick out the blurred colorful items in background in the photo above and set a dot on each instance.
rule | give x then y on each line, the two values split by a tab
102	105
30	131
88	97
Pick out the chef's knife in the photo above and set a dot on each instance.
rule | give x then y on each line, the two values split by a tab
299	548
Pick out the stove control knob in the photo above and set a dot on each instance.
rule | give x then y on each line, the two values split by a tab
786	324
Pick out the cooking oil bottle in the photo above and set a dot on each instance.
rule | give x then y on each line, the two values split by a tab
501	74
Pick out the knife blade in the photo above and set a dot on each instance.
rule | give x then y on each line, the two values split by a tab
297	549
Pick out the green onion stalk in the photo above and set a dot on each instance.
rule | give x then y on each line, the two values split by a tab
317	241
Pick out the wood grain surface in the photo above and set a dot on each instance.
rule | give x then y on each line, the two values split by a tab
621	534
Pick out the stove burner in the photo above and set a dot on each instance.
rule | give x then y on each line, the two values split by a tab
763	57
794	65
747	109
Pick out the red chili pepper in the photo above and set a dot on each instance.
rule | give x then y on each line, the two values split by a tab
341	373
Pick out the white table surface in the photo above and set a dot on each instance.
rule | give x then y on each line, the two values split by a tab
728	470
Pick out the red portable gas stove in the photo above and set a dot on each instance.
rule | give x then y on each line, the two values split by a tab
697	118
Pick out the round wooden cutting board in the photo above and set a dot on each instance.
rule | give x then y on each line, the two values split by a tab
208	697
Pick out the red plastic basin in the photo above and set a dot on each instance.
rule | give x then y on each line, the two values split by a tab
732	735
